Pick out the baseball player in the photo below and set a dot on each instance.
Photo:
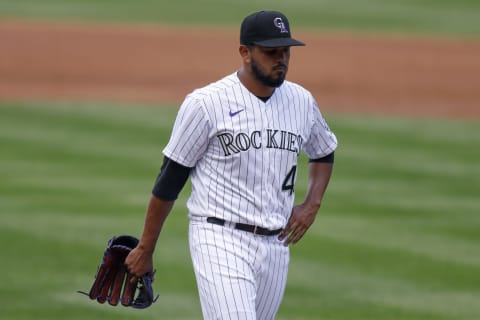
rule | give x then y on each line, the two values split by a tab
238	140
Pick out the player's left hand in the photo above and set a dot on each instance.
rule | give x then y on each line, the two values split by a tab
301	219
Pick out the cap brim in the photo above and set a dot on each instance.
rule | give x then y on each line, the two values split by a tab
279	42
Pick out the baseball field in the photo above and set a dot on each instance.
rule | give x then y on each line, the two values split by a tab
88	95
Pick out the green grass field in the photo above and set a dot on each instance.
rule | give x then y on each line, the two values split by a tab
454	17
397	237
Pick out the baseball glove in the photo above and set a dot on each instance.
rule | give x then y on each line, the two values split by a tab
112	281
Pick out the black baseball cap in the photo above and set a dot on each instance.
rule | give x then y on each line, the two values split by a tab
267	29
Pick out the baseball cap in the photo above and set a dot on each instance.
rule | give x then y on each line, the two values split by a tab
267	29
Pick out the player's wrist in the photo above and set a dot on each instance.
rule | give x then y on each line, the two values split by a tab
146	248
313	205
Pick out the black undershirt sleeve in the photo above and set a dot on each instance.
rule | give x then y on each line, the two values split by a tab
171	180
327	159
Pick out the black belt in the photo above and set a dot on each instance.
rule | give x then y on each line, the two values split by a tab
246	227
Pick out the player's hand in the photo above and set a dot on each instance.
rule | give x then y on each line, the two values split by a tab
138	263
301	219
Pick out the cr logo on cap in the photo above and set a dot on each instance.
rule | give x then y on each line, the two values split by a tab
278	22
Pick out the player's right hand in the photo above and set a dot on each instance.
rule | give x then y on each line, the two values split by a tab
138	263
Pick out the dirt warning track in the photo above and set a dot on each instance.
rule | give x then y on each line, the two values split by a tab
157	64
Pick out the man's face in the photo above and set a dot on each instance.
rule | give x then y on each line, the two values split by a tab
270	65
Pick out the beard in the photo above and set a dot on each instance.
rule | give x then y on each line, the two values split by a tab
266	79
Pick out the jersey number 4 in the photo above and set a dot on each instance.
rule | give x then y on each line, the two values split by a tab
289	181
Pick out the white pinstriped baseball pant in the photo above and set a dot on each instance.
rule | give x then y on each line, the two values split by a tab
240	276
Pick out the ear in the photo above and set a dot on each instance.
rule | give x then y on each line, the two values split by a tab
245	53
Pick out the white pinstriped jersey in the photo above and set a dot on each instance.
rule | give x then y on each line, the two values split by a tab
244	151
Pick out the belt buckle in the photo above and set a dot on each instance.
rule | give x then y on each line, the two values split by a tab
255	228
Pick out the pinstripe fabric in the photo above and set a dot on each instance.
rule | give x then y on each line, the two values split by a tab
243	152
242	160
240	276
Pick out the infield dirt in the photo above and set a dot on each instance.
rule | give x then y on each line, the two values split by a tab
361	74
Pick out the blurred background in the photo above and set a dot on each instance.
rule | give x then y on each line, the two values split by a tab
89	91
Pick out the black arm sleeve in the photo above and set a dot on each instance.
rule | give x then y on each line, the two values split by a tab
327	159
170	180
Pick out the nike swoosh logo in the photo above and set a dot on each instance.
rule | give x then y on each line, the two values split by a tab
233	114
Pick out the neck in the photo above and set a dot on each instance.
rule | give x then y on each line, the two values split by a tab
253	85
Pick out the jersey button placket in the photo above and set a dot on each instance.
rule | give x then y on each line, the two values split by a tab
267	113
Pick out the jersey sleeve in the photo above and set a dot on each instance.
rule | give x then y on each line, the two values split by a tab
321	140
189	138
